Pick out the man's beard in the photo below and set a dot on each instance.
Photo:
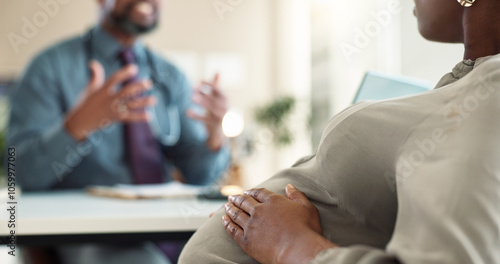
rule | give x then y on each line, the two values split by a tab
127	25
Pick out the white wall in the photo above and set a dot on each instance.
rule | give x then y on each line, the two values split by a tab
357	42
421	58
291	75
396	48
71	18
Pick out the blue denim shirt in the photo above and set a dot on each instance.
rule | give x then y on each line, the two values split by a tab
49	158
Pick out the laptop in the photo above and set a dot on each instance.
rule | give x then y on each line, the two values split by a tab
380	86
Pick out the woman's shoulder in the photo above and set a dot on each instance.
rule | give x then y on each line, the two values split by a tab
486	74
480	89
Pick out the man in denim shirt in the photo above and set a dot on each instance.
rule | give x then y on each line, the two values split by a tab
75	100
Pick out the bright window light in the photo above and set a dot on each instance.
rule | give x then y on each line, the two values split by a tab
233	124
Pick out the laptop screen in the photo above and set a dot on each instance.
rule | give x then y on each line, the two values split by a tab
380	86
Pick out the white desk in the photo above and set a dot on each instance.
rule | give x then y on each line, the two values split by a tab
74	215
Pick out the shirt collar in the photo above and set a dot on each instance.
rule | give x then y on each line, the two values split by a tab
466	66
460	70
107	47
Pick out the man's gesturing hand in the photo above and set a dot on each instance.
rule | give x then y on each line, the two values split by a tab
275	229
210	97
101	104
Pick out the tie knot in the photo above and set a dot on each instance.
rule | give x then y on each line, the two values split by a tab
127	56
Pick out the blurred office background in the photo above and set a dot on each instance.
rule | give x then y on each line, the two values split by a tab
315	51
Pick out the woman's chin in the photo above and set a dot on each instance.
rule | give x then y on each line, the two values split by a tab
440	37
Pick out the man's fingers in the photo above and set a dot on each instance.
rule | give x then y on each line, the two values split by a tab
124	74
237	215
192	114
134	116
215	82
204	104
202	99
134	89
216	106
260	194
244	202
211	88
97	78
141	103
235	231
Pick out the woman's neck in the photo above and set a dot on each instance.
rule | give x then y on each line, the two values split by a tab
482	30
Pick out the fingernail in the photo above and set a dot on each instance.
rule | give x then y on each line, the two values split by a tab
227	206
230	198
247	192
291	186
224	219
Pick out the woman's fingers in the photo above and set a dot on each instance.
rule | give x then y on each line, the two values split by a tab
234	230
244	202
237	215
260	194
294	194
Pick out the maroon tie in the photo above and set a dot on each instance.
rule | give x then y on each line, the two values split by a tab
143	151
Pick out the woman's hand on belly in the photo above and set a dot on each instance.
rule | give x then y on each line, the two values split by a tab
275	229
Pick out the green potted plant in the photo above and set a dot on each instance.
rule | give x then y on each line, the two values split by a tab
274	116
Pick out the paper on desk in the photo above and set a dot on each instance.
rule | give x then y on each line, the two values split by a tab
147	191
